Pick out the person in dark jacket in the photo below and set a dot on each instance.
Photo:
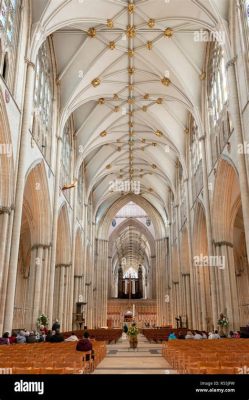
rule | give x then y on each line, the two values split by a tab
5	338
85	345
58	337
56	326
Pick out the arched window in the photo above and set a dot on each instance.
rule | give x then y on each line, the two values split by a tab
217	83
43	93
66	158
247	12
80	184
9	15
196	159
195	147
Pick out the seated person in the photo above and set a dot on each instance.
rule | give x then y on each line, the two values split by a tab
204	336
31	338
189	335
49	335
12	338
57	337
21	338
85	345
5	338
197	336
171	336
180	335
214	335
72	338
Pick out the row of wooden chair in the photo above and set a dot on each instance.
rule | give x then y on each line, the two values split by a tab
223	356
48	358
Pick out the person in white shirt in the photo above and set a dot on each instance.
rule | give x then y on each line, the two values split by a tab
72	338
197	336
216	335
189	335
204	336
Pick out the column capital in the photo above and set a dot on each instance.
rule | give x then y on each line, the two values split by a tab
203	137
185	180
59	138
78	276
29	62
223	243
63	265
37	245
231	62
6	210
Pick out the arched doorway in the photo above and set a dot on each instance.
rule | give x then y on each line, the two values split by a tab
229	236
201	270
31	296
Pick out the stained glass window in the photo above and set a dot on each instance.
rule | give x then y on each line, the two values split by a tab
43	100
247	11
66	158
217	80
195	147
7	18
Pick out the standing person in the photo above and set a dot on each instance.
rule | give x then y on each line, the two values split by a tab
56	325
85	345
132	333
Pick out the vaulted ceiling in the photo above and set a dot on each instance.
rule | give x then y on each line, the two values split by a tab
129	72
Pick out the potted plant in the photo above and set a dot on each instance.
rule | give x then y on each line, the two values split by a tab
132	333
42	320
223	324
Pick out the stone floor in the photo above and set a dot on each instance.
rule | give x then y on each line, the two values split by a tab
146	359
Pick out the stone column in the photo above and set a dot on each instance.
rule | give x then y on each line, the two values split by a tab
44	278
161	253
231	304
29	323
180	302
4	266
71	276
48	295
61	295
54	228
209	228
192	298
234	108
15	240
66	316
39	267
4	219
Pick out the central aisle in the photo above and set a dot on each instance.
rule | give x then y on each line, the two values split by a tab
146	359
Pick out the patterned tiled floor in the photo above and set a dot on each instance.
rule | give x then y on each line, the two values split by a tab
146	359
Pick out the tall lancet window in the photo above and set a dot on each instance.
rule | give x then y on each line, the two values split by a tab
195	147
66	159
217	83
247	12
43	93
196	158
9	27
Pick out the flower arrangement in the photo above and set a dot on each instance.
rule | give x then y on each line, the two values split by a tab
133	331
223	321
42	320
